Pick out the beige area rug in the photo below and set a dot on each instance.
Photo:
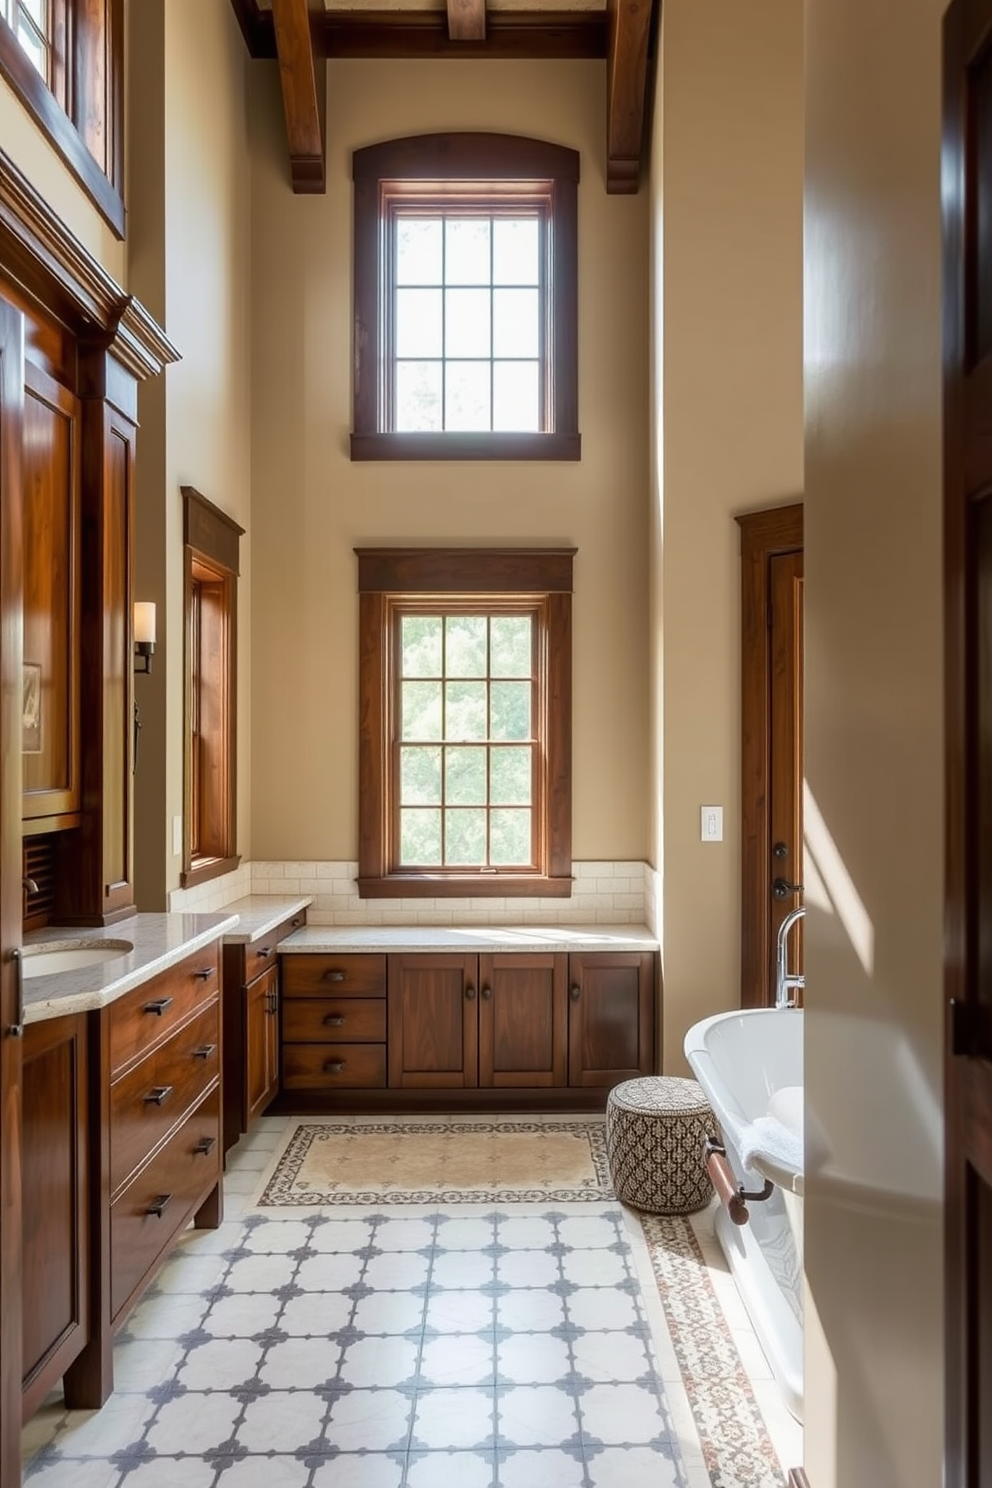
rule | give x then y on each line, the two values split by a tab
445	1160
737	1449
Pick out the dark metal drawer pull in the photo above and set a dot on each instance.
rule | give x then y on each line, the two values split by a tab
264	951
159	1005
158	1096
205	973
333	976
576	993
296	920
204	1146
334	1020
204	1051
272	1001
334	1066
159	1206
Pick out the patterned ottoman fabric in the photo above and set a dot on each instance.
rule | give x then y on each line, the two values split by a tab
655	1128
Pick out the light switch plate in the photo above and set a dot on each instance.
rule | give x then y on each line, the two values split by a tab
711	823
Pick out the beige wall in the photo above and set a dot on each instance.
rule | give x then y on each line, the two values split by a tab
31	153
190	259
727	250
873	744
311	505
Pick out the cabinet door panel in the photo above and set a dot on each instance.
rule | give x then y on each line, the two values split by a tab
522	1020
261	1063
433	1021
610	1017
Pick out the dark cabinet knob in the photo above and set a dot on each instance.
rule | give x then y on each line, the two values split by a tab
158	1006
780	850
296	921
487	992
204	1051
575	992
204	1146
334	1066
205	973
470	993
333	976
335	1020
158	1095
158	1206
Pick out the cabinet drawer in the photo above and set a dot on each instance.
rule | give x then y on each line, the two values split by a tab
339	976
175	1182
154	1094
260	958
320	1066
147	1016
352	1020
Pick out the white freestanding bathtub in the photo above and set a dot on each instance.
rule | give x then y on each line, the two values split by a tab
750	1065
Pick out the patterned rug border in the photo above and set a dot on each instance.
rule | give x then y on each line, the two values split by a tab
737	1448
277	1192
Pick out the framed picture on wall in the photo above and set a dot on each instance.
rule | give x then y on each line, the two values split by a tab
31	709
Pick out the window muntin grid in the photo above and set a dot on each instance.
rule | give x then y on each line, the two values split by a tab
467	332
465	740
31	23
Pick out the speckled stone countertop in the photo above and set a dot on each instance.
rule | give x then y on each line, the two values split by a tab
258	914
158	941
385	938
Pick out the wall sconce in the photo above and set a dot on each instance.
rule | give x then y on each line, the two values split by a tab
144	636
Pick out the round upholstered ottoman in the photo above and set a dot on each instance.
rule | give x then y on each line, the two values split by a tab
655	1129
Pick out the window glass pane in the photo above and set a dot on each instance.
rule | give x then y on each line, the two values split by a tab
38	11
516	250
516	323
465	777
465	640
466	322
510	777
418	397
420	776
516	396
465	710
511	643
510	710
34	46
418	250
465	837
418	323
466	396
510	837
421	710
466	250
420	837
420	645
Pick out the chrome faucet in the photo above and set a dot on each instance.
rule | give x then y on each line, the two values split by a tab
785	984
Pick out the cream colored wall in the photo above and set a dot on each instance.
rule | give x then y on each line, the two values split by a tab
311	505
34	156
191	255
727	232
873	744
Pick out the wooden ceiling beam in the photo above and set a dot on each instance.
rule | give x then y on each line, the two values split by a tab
629	35
303	75
467	20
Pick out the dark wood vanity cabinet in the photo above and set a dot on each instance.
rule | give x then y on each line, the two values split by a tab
532	1023
55	1205
251	1027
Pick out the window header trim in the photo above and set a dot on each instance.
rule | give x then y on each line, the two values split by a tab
455	571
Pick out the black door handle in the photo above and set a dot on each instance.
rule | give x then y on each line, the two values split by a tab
782	888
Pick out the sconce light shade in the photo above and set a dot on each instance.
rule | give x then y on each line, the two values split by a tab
144	636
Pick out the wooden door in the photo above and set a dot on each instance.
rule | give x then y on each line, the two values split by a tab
967	194
771	742
610	1017
433	1022
11	411
261	1043
523	1020
785	761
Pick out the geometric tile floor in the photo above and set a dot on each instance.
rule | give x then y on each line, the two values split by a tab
463	1347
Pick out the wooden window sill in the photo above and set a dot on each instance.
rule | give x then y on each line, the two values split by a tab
457	446
203	870
471	886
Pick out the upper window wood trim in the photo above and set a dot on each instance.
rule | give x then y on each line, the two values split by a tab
465	570
211	531
429	166
87	133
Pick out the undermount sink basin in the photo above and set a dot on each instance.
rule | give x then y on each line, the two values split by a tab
44	960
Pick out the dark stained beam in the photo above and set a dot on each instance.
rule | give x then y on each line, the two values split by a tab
424	33
303	75
629	32
256	27
467	20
